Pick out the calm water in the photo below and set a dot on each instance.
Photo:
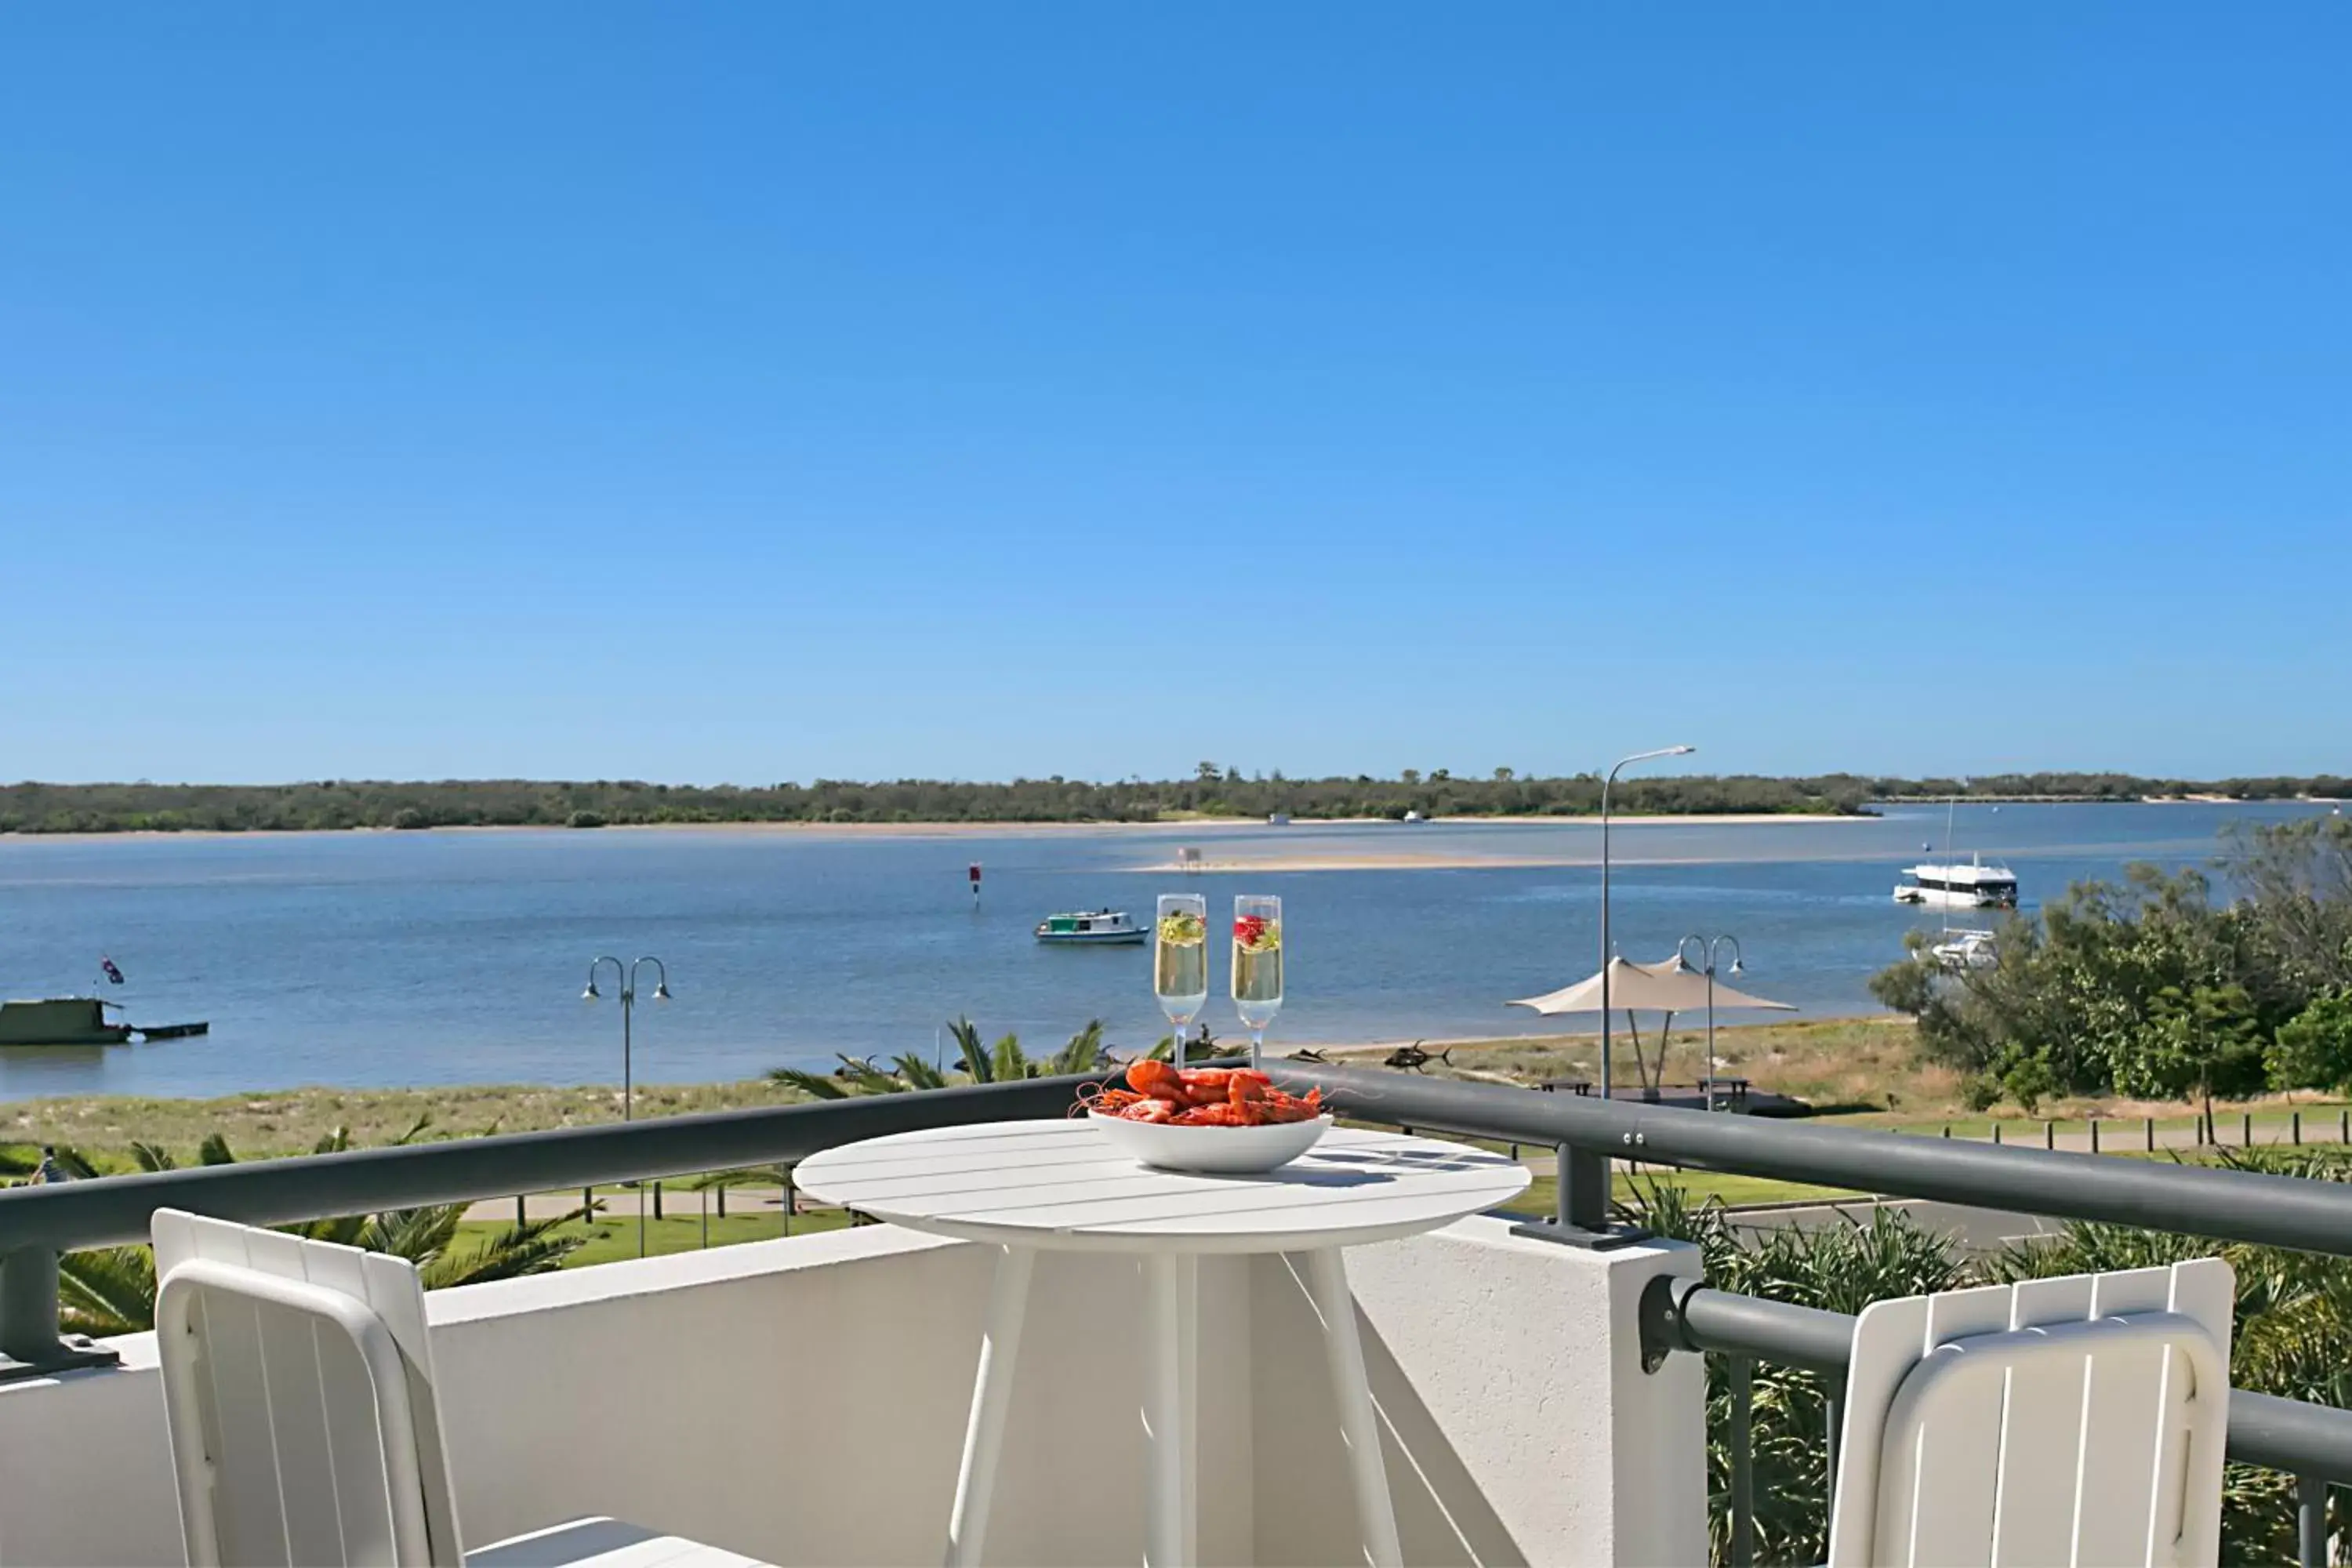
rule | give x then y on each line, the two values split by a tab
380	958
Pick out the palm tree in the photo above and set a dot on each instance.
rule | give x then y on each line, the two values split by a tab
858	1075
111	1289
1005	1061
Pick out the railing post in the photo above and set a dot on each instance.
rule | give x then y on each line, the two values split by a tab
1947	1129
2245	1130
2294	1123
2344	1126
1996	1131
1580	1214
1742	1372
2151	1134
28	1306
2094	1134
522	1211
722	1200
2311	1521
641	1198
2050	1135
29	1342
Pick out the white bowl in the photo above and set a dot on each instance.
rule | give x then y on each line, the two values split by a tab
1212	1151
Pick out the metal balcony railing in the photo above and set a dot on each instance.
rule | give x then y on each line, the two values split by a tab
2312	1443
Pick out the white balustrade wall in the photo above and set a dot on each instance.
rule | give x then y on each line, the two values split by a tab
805	1400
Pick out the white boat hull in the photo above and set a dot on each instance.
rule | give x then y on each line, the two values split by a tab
1093	938
1968	950
1949	898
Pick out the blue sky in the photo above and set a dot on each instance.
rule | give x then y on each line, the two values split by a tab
762	392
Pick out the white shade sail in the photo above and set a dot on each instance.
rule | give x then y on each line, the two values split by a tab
1670	986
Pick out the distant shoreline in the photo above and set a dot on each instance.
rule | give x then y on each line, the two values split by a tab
944	829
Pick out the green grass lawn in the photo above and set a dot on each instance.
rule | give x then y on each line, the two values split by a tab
613	1239
1734	1192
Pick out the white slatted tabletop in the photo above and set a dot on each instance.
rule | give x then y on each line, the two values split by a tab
1059	1186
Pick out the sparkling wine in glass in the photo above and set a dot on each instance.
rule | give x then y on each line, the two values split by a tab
1180	961
1257	966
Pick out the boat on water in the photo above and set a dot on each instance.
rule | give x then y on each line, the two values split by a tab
79	1021
1974	885
1098	927
1962	949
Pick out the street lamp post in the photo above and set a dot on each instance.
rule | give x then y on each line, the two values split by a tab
1708	946
627	975
1607	1076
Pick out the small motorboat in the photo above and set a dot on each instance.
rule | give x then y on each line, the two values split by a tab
1103	926
1966	949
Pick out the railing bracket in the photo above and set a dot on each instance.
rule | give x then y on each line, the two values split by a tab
74	1354
1597	1238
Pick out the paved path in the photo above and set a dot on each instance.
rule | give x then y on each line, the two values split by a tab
1976	1229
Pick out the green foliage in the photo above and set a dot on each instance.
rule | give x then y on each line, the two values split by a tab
2153	988
2313	1048
1212	790
2026	1076
2207	1039
976	1061
1084	1052
107	1291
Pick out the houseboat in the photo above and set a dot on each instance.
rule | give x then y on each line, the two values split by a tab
1100	926
79	1021
1974	885
59	1021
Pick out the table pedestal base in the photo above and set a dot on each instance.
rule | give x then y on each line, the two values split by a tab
1171	1406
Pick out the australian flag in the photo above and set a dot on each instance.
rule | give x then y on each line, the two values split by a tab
113	975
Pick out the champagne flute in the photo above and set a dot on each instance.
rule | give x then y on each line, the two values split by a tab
1257	964
1179	961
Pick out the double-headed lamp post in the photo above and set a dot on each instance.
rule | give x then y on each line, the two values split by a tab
1607	1076
1708	948
627	975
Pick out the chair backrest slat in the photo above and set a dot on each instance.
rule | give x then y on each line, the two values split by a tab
304	1427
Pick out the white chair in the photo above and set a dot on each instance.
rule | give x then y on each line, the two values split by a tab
2071	1421
298	1383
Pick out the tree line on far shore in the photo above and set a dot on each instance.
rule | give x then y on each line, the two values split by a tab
1212	791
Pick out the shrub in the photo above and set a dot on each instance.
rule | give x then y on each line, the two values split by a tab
2314	1050
583	819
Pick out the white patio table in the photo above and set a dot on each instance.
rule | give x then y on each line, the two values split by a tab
1029	1186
